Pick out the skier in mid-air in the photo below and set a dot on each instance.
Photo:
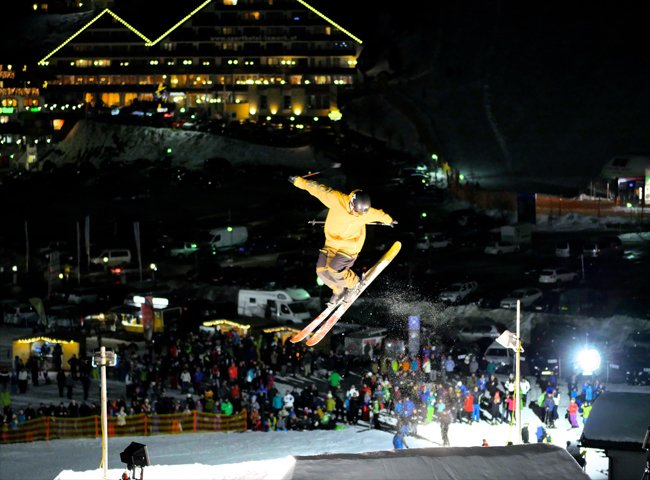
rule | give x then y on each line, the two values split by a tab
345	234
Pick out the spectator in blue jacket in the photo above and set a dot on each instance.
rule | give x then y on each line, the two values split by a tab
399	442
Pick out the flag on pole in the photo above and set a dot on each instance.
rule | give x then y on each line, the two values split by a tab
509	340
146	309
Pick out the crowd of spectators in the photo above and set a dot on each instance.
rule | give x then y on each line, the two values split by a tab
224	373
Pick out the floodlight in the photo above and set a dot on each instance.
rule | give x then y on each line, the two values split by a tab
588	361
135	455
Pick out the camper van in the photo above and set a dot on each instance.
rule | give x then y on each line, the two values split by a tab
289	305
224	238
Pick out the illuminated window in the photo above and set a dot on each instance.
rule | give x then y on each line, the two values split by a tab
230	2
253	16
9	102
229	46
4	119
31	102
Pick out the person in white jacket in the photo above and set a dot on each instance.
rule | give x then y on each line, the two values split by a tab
524	388
353	392
288	400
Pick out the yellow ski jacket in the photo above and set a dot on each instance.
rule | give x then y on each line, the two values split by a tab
345	230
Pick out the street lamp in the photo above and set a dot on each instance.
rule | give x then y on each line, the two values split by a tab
154	268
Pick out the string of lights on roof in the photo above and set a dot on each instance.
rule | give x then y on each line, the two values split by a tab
149	43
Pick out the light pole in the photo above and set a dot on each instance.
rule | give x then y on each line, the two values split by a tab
513	341
517	370
104	359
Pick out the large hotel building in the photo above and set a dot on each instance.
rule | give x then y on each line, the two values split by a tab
234	59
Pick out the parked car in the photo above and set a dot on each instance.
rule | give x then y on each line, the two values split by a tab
638	338
608	246
558	275
549	302
499	248
503	358
181	248
83	295
21	314
112	258
472	333
457	292
569	248
526	297
432	240
63	316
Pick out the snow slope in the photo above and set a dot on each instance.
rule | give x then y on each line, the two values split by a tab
95	142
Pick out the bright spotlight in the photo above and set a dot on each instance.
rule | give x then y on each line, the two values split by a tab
588	361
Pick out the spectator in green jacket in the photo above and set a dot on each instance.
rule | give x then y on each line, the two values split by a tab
334	381
226	407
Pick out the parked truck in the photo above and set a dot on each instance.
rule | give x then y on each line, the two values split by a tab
291	304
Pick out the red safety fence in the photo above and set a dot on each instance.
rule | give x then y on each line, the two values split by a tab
49	428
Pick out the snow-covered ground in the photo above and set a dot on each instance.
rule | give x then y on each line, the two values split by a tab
260	455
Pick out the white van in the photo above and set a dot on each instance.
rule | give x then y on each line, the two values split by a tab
113	257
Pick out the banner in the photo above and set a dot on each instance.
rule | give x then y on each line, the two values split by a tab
414	334
146	309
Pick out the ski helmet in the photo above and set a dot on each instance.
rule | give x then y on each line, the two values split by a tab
360	201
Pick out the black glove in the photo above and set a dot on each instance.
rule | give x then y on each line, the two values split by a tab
393	223
292	179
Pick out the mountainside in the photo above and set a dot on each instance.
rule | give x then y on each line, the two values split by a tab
526	96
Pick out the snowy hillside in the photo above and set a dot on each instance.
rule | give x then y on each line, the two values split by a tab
95	142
